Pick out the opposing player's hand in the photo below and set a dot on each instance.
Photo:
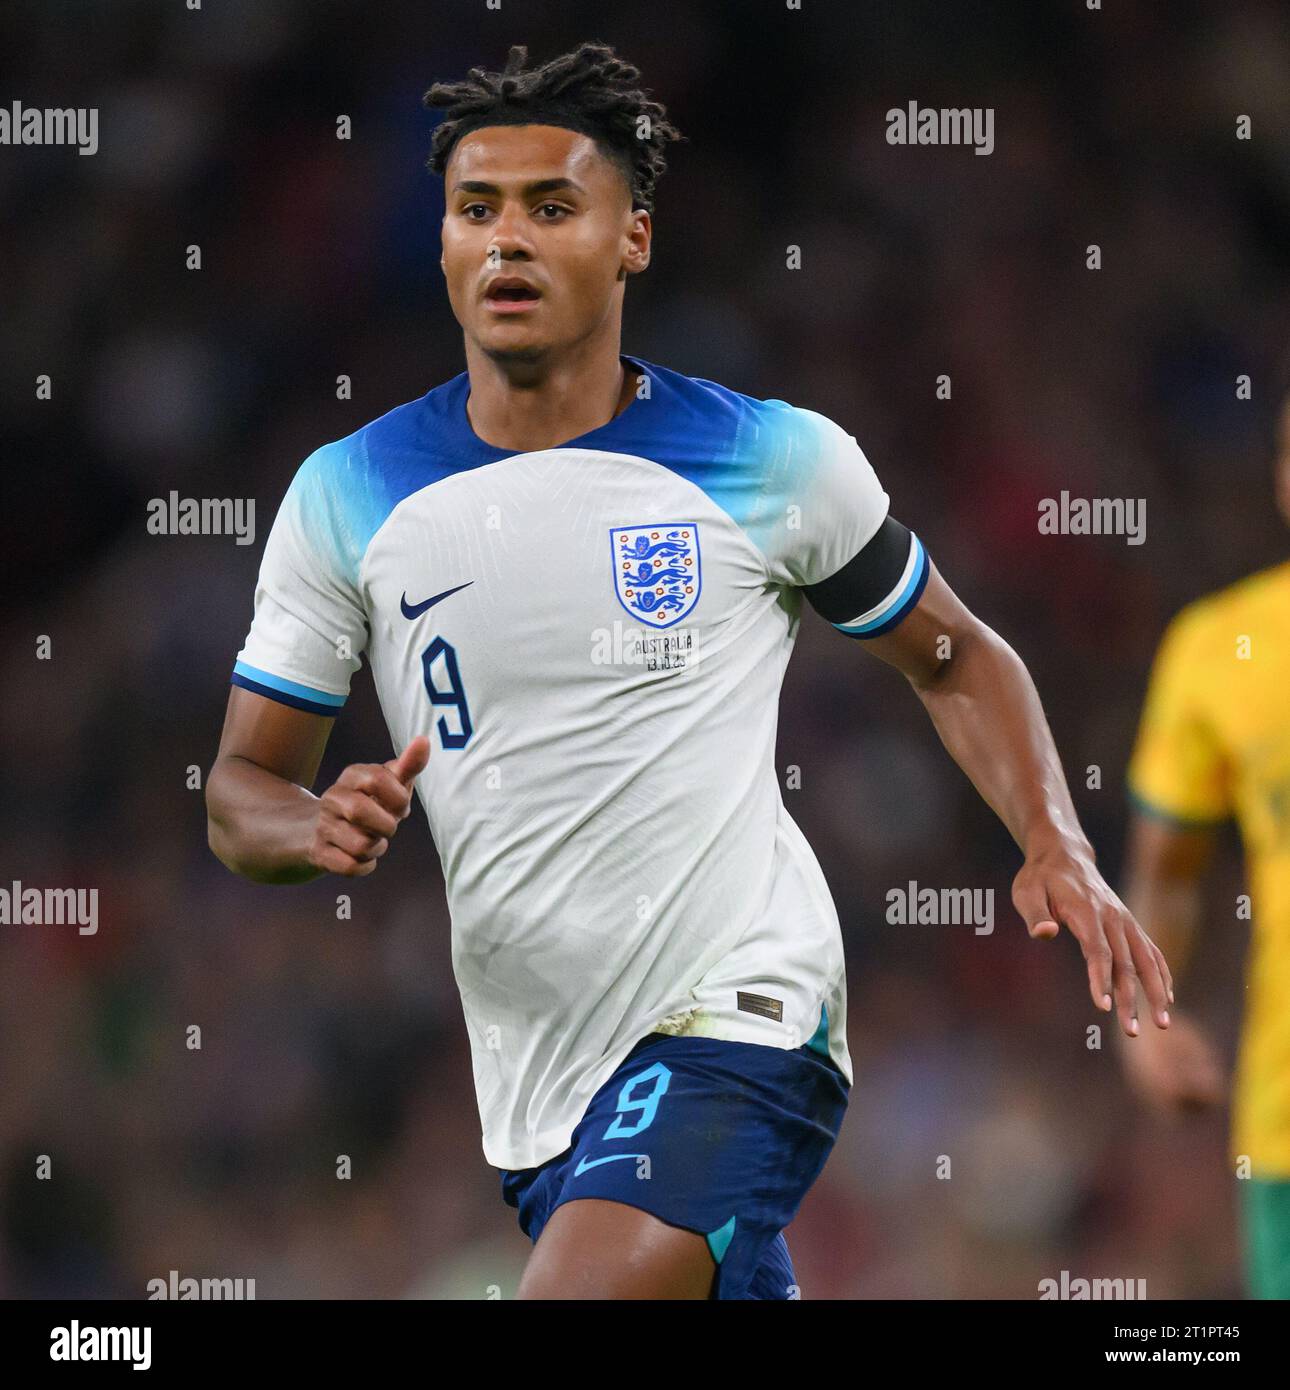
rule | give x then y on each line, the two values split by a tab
1061	887
359	813
1177	1070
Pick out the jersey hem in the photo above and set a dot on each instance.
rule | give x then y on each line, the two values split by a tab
552	1143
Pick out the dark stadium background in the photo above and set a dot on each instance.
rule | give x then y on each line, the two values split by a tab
320	257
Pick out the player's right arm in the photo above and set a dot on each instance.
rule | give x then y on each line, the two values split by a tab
290	681
1179	782
264	823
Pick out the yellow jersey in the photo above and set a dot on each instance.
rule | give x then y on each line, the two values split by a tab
1214	742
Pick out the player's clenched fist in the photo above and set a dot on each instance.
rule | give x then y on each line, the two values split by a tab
359	813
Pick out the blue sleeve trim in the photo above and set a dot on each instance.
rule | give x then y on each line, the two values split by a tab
286	692
905	603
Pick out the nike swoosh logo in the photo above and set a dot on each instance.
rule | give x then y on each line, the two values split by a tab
415	610
583	1163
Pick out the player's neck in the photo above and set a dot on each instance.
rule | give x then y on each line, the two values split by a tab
527	407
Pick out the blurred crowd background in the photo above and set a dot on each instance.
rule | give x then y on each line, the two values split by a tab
320	257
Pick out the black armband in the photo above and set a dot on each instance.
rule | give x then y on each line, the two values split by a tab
877	587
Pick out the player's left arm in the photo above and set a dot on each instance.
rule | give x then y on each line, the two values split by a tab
872	579
988	715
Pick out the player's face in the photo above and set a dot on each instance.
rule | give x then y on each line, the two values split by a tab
541	205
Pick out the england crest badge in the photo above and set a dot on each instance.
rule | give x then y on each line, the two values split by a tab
656	570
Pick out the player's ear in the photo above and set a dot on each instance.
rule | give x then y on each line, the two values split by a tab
637	248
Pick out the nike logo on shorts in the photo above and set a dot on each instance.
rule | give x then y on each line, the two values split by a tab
584	1163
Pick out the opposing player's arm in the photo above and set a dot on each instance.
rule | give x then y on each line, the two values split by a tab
264	823
1181	790
1167	862
987	712
1180	787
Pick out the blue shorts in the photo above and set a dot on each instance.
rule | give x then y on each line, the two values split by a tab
722	1138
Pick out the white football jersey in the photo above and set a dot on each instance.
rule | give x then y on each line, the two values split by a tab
593	637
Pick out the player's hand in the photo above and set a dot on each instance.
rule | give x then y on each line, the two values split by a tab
1060	886
1177	1070
359	813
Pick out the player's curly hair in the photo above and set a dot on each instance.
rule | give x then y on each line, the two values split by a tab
590	90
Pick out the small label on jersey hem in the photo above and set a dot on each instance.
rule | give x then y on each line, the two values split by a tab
761	1004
